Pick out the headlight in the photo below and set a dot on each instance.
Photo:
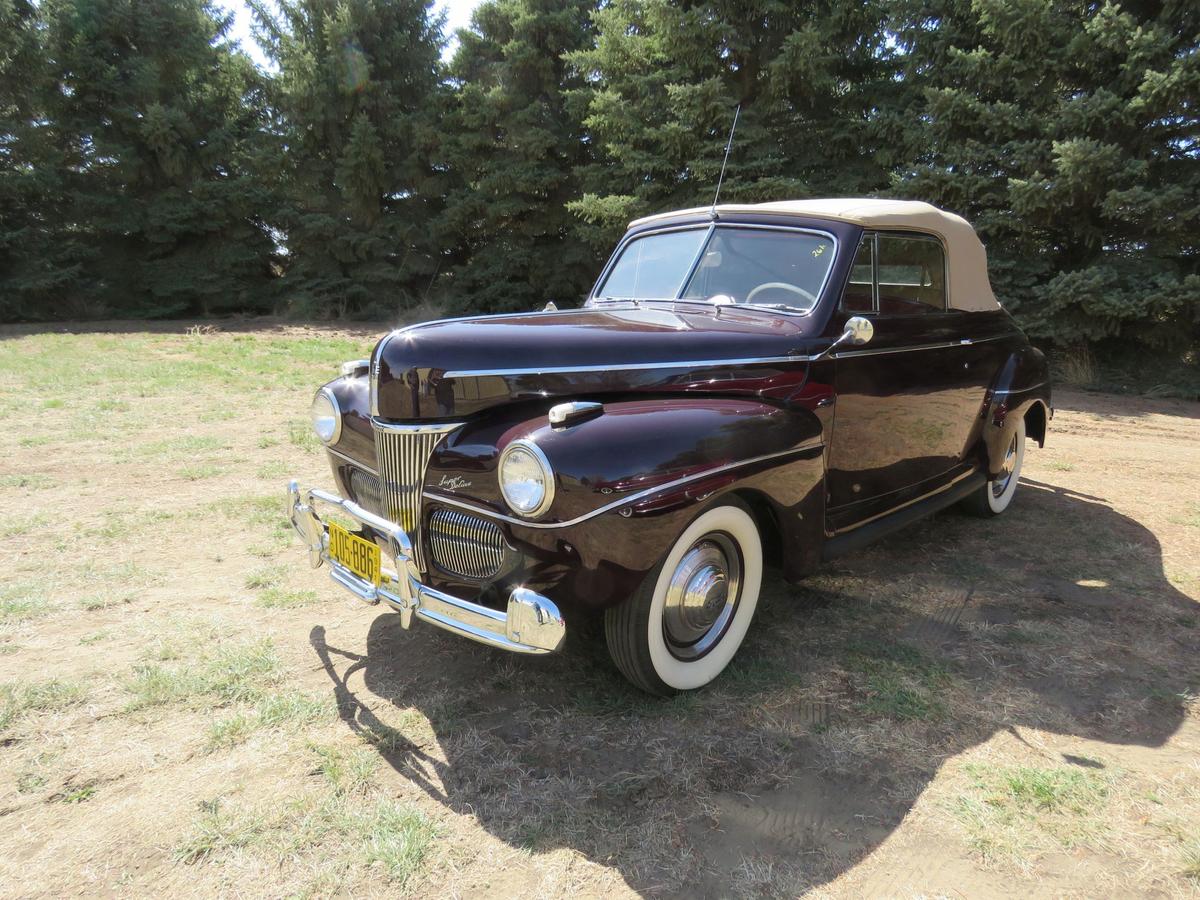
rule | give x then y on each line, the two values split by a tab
526	479
326	416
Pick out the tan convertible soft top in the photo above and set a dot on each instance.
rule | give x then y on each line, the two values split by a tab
969	288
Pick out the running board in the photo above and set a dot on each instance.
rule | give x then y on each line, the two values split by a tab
857	538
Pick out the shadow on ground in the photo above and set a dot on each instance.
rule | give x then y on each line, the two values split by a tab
1057	616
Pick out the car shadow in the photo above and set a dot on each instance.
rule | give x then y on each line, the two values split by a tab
797	758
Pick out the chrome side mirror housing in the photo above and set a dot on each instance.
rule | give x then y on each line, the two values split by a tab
858	331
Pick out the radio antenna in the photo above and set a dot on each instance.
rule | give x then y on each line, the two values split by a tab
728	146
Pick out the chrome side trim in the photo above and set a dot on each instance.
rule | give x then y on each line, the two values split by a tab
631	366
353	461
942	345
709	363
627	499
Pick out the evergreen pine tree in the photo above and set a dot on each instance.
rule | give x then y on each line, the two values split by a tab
514	147
156	121
1068	133
664	79
357	93
40	258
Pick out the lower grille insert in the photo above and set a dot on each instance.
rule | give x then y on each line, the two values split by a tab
465	545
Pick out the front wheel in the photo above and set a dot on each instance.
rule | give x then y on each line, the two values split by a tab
995	496
688	618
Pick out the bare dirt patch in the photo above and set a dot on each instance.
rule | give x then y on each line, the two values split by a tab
969	708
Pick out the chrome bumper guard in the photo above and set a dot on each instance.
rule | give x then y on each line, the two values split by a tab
532	623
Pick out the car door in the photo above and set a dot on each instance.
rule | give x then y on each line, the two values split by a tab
902	414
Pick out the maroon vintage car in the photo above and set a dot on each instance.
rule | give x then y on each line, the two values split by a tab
747	385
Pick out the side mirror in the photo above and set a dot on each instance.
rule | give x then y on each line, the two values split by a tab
858	331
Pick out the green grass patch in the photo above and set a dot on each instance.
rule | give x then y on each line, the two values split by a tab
214	831
20	699
1013	811
381	834
31	482
237	673
273	711
897	680
22	601
275	470
104	600
266	577
79	795
278	598
347	770
301	434
200	471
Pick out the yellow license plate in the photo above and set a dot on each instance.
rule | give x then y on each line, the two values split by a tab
358	555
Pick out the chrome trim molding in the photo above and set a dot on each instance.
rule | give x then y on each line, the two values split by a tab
530	624
630	366
624	501
547	470
414	427
708	363
353	461
942	345
403	452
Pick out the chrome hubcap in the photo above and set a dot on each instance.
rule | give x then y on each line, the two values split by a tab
702	596
1000	485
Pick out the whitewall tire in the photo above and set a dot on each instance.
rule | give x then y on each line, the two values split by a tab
689	617
994	497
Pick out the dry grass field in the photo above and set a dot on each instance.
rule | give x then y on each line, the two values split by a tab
966	709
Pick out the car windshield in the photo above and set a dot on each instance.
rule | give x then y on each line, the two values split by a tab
782	269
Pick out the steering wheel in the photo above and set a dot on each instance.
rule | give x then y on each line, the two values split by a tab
782	285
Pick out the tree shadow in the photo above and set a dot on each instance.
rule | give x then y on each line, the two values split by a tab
797	758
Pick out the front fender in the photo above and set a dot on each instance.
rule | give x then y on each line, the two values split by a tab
628	482
631	448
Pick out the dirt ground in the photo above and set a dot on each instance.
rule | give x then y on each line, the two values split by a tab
968	708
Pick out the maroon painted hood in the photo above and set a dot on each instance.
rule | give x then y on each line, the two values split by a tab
455	368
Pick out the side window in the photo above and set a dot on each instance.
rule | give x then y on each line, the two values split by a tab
860	289
912	275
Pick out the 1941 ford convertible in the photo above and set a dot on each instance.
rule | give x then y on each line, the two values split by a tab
769	384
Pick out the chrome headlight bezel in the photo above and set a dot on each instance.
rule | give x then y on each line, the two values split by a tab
535	452
333	412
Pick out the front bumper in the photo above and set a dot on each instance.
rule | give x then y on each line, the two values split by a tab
531	624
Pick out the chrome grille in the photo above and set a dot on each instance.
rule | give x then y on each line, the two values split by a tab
403	452
365	490
465	545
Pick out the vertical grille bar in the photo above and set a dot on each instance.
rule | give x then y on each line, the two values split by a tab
463	544
403	452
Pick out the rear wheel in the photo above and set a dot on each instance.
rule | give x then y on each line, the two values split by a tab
688	618
995	496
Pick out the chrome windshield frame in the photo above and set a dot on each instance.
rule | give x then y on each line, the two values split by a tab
594	301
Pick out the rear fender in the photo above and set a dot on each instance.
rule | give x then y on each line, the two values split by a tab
1020	391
